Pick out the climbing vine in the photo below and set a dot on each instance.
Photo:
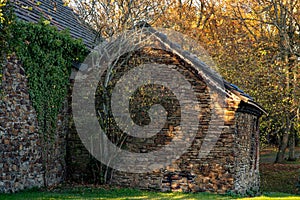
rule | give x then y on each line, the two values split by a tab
47	56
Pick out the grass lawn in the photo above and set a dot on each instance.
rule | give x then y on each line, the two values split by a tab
130	194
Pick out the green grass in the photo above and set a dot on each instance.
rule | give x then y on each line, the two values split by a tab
113	194
130	194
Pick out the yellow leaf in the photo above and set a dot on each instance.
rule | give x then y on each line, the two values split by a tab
221	22
46	22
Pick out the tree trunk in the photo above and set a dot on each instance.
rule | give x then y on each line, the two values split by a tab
283	143
282	147
292	156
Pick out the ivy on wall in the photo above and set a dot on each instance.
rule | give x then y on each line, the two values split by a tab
46	55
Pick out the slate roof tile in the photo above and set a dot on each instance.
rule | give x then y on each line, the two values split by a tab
59	15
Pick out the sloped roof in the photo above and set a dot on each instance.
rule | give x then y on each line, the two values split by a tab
247	104
59	15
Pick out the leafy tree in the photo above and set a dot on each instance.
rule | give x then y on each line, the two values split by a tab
275	27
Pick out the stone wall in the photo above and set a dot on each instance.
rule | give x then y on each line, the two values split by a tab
57	152
246	154
213	173
231	166
81	166
21	146
188	173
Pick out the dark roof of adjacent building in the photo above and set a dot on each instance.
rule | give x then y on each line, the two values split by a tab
59	15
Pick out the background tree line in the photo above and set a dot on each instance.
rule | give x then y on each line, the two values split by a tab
255	43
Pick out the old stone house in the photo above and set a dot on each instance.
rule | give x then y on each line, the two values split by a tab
232	164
